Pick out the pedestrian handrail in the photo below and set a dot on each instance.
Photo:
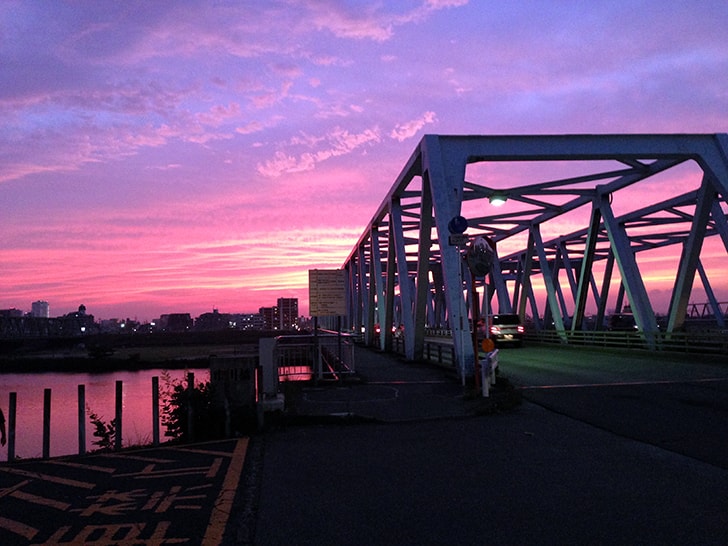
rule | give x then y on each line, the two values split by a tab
438	352
702	341
708	342
320	356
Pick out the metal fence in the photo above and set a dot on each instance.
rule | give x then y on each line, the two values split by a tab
439	348
709	342
440	352
323	356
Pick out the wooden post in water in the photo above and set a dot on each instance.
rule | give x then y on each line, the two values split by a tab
190	412
82	419
155	410
12	404
119	406
46	423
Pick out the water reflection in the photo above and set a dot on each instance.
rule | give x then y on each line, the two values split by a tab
100	398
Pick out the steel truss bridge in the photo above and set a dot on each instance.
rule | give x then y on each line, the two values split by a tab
643	214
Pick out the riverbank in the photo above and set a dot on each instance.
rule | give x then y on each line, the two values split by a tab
80	359
107	353
73	364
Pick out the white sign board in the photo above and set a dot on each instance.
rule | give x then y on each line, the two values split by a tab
326	292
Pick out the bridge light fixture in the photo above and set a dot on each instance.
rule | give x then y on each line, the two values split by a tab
497	199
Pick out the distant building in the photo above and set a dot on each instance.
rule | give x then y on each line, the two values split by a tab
116	326
11	313
109	326
213	321
271	318
247	321
287	313
175	322
78	323
40	309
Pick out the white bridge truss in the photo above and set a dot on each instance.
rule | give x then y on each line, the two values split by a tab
405	272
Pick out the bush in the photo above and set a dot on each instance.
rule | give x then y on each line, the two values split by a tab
179	402
103	431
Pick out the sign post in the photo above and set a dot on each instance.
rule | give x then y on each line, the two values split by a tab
326	292
479	258
326	297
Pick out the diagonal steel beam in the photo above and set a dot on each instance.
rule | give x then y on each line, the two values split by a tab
631	277
690	257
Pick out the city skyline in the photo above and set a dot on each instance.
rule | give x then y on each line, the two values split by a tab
174	158
42	309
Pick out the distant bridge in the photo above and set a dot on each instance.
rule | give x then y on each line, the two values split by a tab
708	310
629	203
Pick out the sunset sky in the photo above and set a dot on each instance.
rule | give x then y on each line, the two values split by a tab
161	157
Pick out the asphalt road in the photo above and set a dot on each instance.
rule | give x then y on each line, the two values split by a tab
527	477
676	402
608	448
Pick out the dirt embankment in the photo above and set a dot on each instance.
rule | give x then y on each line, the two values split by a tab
104	352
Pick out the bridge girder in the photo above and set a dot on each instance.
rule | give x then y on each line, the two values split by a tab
405	255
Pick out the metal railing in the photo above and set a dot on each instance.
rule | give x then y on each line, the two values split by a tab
709	342
439	348
438	352
321	356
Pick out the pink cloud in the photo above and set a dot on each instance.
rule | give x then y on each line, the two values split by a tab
404	131
252	127
219	114
440	4
336	143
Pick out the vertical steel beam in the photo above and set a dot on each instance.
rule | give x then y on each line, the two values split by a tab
556	273
367	307
538	323
586	267
690	257
423	266
631	278
548	278
446	174
354	296
377	288
405	291
568	268
619	304
595	290
526	272
499	285
440	308
391	275
359	294
351	296
518	282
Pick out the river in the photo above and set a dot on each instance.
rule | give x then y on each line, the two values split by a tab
100	391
